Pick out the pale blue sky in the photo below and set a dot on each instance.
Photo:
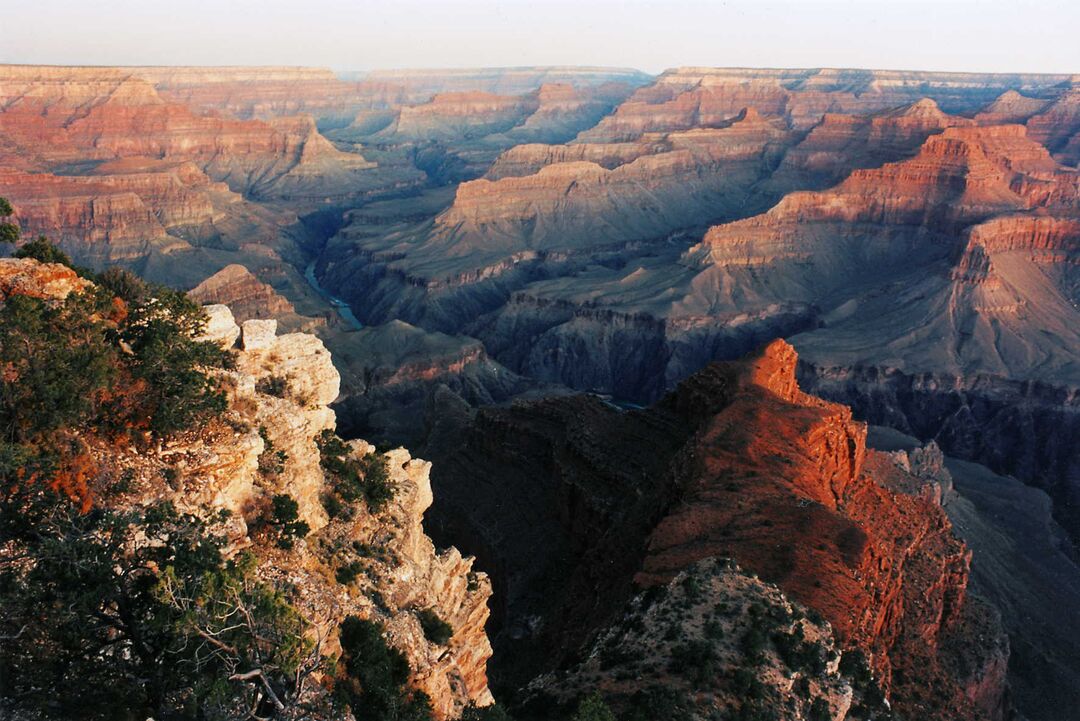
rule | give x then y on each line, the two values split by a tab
978	35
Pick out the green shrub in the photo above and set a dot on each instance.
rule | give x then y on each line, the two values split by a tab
277	386
348	573
694	661
43	251
819	711
753	643
494	712
436	630
285	520
128	623
354	478
376	676
593	708
9	231
659	702
271	461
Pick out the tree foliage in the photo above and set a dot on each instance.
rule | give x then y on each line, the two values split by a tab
355	478
435	629
101	364
593	708
9	231
133	614
376	675
43	251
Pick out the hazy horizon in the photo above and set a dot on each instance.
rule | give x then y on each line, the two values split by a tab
949	35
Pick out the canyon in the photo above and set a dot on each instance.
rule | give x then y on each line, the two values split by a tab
526	275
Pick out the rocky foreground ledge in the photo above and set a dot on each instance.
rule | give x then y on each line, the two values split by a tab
267	445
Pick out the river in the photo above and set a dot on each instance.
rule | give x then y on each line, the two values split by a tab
341	306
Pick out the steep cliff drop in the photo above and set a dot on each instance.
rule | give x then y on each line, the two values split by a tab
740	463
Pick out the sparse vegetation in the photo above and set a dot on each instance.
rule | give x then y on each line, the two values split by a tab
273	385
353	478
9	230
271	460
43	251
284	522
347	573
494	712
593	708
144	619
374	683
436	630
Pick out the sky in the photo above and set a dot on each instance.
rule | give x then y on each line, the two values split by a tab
962	35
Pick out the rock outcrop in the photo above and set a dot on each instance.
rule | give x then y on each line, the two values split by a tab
50	281
690	647
250	298
411	575
737	462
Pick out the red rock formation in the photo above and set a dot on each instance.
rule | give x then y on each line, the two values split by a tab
688	97
1010	107
247	296
959	177
700	171
782	482
89	215
842	143
1043	240
1057	125
75	115
460	114
51	281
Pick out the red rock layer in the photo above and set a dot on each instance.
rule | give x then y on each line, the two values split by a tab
689	97
1010	107
782	482
247	296
842	143
1043	239
1057	126
50	281
76	115
567	202
959	177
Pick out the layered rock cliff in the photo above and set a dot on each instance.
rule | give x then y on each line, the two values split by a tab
737	462
76	115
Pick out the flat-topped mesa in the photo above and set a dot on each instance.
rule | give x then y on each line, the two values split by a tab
529	158
503	81
864	90
650	110
457	114
686	97
266	92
